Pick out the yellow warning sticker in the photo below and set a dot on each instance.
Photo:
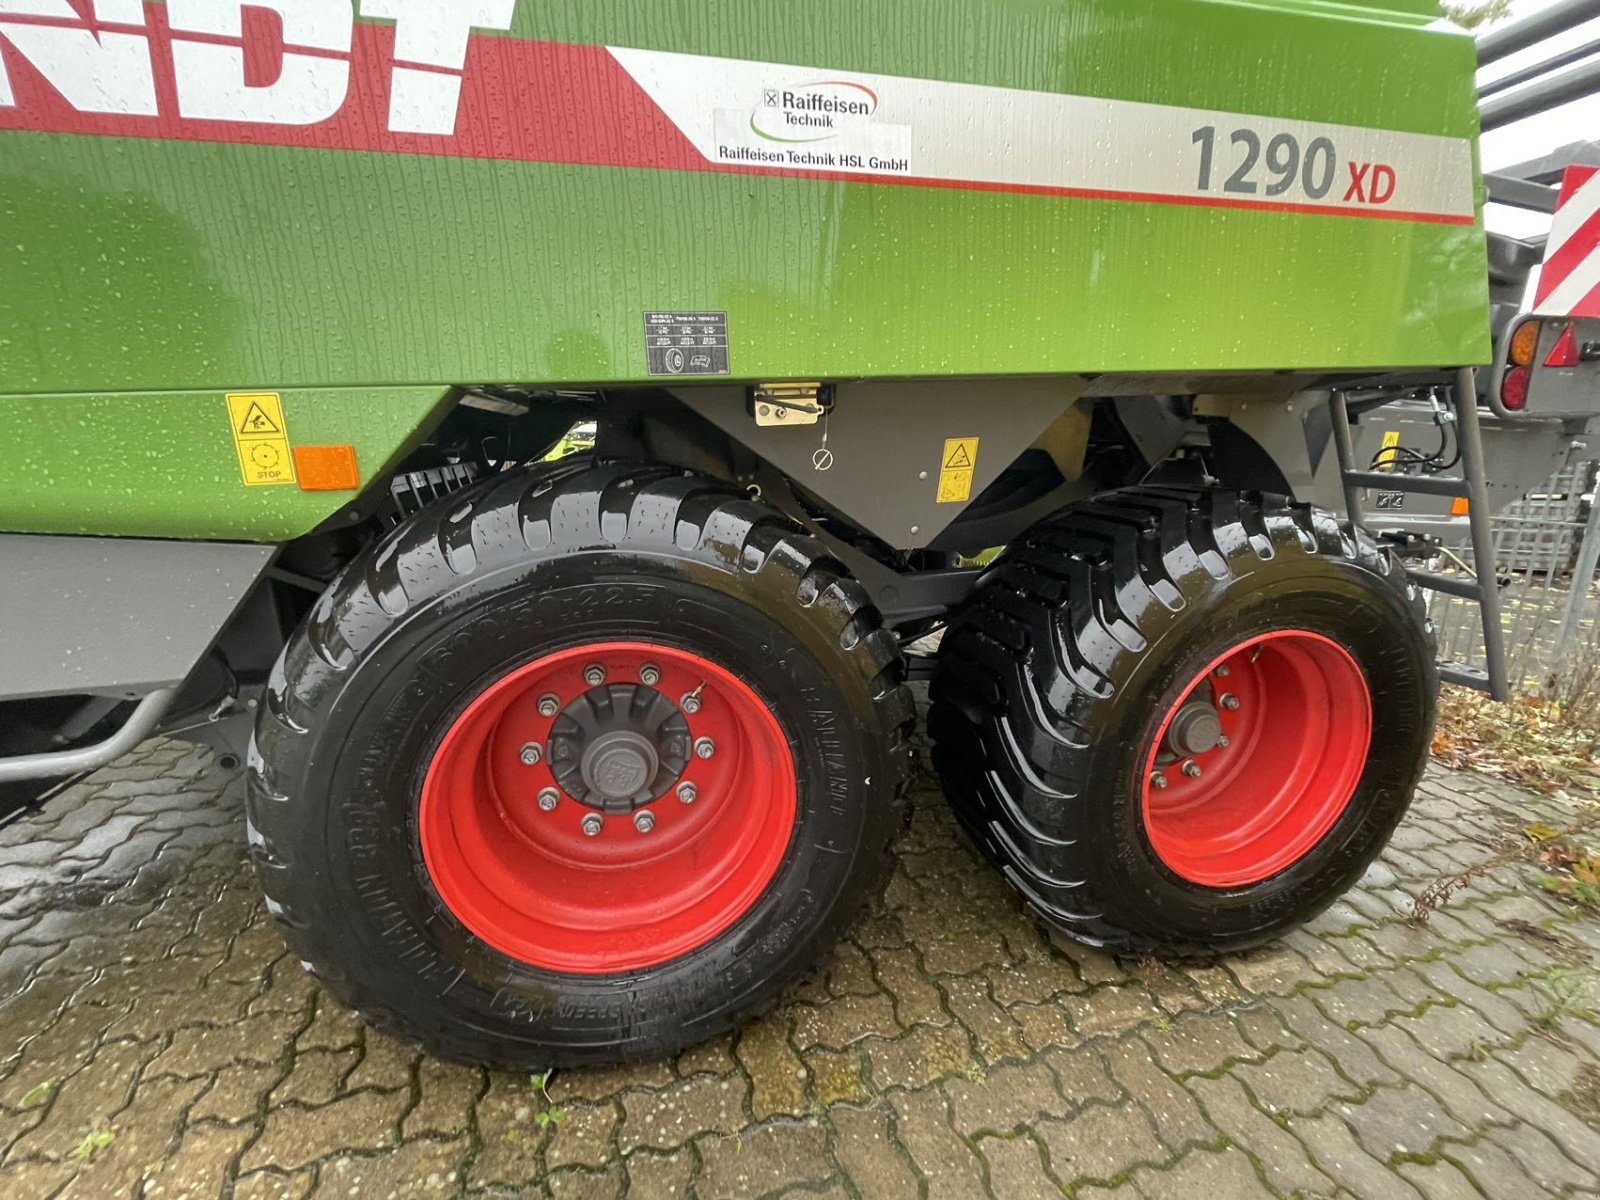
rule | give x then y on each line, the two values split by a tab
261	438
956	468
1386	456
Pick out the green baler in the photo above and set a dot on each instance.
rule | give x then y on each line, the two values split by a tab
558	762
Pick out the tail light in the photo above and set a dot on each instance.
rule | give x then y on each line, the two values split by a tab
1514	388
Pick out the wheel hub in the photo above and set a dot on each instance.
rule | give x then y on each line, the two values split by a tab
619	764
1196	728
619	746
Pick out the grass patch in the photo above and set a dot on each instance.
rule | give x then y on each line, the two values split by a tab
550	1113
92	1144
1569	992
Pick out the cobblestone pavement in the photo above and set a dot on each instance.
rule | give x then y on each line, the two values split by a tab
159	1042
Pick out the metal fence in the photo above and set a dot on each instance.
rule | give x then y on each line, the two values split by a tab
1545	547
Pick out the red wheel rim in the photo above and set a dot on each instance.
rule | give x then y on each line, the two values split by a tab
1295	716
534	885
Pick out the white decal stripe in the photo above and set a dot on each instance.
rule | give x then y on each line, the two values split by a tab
1570	217
734	112
1569	293
1561	294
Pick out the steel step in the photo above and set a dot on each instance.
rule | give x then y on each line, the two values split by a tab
1472	486
1425	485
1450	585
1465	676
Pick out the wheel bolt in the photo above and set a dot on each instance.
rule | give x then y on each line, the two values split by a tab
704	747
687	792
1223	671
594	674
592	825
1191	769
644	820
531	754
1229	701
549	705
690	703
1158	780
548	799
650	674
1222	741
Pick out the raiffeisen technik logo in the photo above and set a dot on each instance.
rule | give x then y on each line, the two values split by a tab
811	112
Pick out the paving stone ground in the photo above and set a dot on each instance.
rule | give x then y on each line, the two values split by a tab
157	1041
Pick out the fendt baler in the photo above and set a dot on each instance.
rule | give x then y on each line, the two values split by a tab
560	762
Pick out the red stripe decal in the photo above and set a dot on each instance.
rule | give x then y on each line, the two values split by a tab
1573	178
1575	245
520	100
1589	306
1582	243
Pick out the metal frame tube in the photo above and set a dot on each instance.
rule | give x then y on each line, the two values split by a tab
1582	578
1519	35
1546	93
140	723
1565	58
1346	451
1422	485
1470	437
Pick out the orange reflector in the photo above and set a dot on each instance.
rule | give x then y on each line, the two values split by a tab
1565	352
1524	342
1460	506
326	468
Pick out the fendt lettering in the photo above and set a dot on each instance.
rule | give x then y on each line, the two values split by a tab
222	67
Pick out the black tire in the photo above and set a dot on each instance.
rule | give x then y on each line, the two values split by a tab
467	590
1055	674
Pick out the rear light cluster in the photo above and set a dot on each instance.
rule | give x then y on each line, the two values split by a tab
1523	350
1514	382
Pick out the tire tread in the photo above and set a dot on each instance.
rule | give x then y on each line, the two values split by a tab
563	506
1038	643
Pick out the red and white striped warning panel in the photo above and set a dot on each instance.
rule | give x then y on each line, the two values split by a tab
1569	283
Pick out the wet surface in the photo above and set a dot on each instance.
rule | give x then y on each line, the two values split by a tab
159	1042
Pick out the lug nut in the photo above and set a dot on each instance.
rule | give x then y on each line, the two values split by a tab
1229	701
644	820
704	747
650	674
690	703
592	825
531	754
594	674
1158	780
1223	671
549	705
1222	741
1191	769
687	792
548	799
